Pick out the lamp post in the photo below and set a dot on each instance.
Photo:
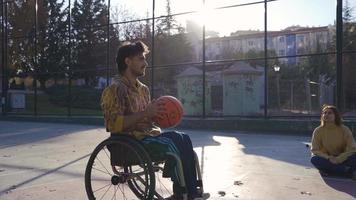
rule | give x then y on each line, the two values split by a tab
291	95
277	68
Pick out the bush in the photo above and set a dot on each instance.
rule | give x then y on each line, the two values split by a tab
82	96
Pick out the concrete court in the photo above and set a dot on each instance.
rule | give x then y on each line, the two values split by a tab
47	161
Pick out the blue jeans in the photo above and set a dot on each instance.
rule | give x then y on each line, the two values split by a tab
325	165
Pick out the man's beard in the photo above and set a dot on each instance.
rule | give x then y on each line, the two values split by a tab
140	73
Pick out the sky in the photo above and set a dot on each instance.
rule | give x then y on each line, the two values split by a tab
281	13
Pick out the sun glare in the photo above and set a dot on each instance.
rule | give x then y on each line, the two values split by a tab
204	15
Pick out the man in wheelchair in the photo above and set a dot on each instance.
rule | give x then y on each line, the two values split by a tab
128	109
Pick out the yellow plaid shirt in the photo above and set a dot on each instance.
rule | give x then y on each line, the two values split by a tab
121	99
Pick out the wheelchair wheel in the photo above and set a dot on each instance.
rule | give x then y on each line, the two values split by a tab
125	174
163	188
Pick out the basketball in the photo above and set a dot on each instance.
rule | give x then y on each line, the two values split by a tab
173	112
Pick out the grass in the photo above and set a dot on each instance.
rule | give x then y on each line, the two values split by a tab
45	107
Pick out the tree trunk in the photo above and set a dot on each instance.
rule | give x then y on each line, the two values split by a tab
42	84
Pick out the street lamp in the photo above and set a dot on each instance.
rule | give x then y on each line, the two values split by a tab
277	68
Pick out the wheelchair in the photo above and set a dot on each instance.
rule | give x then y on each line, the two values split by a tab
121	168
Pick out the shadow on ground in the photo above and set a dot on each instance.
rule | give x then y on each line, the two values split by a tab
19	133
43	173
342	184
286	148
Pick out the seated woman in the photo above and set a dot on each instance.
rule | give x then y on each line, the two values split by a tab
333	146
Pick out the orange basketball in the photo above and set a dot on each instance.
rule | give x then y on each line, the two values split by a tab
173	112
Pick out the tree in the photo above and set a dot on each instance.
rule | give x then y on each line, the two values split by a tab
171	47
319	65
168	25
53	42
21	36
256	57
89	20
349	44
128	31
47	46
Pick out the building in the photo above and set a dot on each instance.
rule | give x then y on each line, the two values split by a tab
286	43
233	88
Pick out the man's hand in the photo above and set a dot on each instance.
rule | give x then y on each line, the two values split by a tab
154	109
142	126
333	160
155	132
142	120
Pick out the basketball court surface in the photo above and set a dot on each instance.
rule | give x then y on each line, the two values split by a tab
47	161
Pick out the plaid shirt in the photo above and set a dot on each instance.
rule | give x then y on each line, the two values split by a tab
121	99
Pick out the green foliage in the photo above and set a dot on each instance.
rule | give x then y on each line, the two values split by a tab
319	65
349	61
349	74
89	18
82	97
21	17
50	38
168	25
44	106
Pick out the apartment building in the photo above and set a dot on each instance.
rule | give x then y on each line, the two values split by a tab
286	43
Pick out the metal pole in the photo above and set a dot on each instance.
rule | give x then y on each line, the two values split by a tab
108	47
339	36
36	61
266	67
308	94
204	114
291	95
278	91
69	69
3	96
153	48
6	86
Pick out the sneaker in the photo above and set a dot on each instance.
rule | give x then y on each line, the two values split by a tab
173	197
202	197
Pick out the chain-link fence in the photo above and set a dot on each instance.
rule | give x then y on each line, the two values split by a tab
220	58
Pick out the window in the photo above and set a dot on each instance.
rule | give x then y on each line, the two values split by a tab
300	38
281	39
281	52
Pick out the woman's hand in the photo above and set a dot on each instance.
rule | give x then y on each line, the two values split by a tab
333	160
